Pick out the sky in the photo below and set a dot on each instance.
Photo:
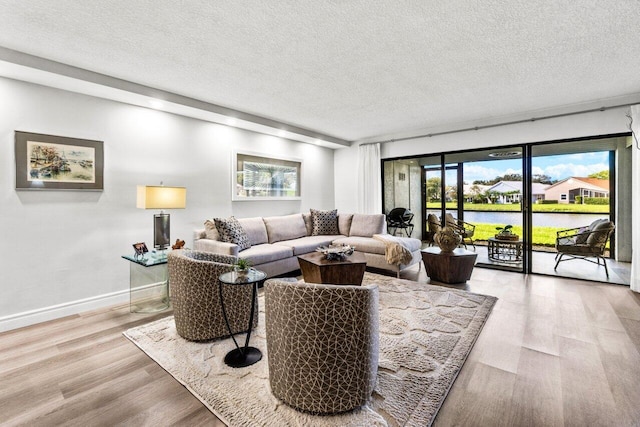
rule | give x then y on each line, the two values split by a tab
556	167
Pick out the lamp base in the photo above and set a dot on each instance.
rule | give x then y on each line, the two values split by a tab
161	231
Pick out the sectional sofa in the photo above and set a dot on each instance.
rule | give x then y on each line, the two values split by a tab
276	241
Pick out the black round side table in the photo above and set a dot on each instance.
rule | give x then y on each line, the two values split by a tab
242	356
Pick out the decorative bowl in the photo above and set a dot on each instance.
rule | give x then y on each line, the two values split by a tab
336	252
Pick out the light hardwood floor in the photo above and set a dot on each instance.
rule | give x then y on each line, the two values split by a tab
553	352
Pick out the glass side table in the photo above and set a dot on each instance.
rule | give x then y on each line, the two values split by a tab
240	357
148	284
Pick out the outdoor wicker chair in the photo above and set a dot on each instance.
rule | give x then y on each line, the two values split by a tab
584	243
433	226
464	229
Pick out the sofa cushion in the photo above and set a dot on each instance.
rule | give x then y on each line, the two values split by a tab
600	233
344	223
255	229
210	230
232	232
304	245
307	222
362	244
285	227
324	222
367	225
262	254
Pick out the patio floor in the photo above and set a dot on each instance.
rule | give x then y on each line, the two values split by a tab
543	263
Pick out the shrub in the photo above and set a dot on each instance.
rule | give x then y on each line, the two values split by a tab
578	200
548	202
596	200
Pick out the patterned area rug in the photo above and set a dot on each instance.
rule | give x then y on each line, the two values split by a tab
426	333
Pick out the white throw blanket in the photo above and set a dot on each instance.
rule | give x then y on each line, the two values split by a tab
396	249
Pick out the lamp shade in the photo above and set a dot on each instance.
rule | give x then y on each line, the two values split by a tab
161	197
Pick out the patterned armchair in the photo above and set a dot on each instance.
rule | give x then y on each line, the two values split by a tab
465	229
322	342
585	242
195	296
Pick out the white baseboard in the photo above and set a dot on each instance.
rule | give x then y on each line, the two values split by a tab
44	314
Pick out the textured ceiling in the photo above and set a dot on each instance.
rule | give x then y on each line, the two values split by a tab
350	69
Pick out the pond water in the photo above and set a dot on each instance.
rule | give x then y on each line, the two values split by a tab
563	220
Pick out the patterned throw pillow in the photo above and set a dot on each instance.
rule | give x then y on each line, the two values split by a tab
324	222
231	231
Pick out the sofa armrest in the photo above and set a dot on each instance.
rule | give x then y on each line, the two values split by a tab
208	245
199	234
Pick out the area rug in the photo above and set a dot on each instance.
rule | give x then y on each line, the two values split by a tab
426	333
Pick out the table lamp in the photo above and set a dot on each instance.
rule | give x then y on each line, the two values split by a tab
161	197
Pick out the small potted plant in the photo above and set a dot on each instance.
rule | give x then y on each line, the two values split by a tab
505	233
242	266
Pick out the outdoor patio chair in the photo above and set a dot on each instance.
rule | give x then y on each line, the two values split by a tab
465	229
400	218
584	243
433	226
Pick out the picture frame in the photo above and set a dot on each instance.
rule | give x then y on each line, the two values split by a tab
140	248
50	162
257	176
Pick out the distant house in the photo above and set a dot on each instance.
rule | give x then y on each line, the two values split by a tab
565	191
511	191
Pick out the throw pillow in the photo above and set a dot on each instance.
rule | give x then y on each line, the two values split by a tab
231	231
325	223
210	230
582	236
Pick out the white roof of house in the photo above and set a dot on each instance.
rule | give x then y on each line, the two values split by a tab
507	186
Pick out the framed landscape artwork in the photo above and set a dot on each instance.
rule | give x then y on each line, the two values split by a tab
259	177
48	162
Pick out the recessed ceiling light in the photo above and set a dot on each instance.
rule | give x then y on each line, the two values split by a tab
505	154
282	133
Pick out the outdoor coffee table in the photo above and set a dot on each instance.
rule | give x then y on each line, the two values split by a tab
240	357
504	250
317	269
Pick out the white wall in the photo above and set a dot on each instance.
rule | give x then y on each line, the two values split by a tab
61	250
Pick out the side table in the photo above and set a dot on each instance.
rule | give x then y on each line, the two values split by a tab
449	267
504	250
148	284
242	356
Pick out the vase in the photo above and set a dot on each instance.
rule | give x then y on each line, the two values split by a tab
447	239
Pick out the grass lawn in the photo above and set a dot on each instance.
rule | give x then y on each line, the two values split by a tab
556	207
542	236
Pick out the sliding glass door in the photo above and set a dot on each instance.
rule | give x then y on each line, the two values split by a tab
488	190
516	199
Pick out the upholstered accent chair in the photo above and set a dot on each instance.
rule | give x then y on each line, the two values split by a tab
585	243
195	296
464	229
322	342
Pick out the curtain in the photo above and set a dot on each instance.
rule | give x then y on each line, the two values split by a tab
369	178
635	192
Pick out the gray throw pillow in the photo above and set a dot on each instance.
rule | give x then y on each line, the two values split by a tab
231	231
325	223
